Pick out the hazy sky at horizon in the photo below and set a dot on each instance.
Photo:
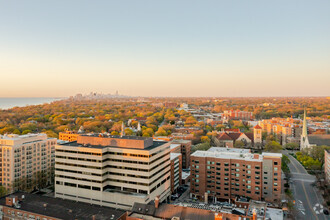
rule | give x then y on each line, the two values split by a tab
165	48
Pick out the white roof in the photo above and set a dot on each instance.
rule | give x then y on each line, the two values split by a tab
233	153
274	214
185	175
172	146
20	137
225	149
271	154
174	155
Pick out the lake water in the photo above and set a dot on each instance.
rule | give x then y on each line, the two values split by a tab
6	103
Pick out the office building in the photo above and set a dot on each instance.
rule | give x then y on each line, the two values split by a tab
114	171
228	173
27	161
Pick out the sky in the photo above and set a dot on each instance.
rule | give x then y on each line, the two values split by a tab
165	48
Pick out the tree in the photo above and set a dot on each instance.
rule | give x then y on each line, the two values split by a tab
161	132
292	146
16	131
114	133
26	132
273	146
205	139
3	191
239	144
148	132
203	146
128	131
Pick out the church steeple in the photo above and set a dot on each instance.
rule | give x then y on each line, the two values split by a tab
304	131
122	133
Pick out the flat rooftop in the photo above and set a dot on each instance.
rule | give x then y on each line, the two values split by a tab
20	137
174	155
155	144
233	153
63	209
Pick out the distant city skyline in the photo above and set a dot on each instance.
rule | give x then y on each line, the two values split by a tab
165	48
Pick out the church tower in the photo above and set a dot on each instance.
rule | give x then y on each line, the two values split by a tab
304	139
257	134
122	133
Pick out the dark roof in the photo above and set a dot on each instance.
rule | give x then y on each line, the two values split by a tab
75	144
319	139
250	136
116	136
234	135
143	209
224	136
63	209
168	211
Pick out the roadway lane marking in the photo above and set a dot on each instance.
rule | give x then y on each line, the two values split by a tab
309	204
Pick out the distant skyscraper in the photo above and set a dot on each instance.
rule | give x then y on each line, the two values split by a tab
304	139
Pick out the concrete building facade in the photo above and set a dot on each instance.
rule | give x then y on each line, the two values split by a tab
26	160
113	171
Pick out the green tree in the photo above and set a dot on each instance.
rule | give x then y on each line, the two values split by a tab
16	131
273	146
292	146
3	191
239	144
26	132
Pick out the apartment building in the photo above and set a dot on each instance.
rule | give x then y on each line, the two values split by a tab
176	171
27	161
185	146
114	171
237	114
228	173
327	166
68	136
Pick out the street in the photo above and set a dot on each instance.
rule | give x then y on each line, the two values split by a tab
308	201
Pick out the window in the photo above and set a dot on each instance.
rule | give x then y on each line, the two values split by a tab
275	163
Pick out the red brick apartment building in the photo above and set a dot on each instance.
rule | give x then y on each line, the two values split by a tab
185	151
228	173
237	114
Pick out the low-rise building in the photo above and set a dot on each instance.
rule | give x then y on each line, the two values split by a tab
33	206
